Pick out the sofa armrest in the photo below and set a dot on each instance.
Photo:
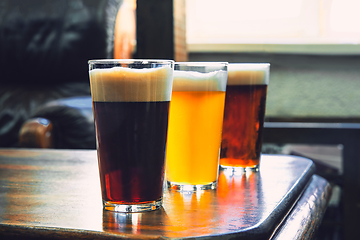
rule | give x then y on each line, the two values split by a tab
72	122
36	133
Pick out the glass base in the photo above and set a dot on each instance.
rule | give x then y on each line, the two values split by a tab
189	187
132	208
240	169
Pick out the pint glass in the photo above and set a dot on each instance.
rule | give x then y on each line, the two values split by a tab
131	105
244	115
195	123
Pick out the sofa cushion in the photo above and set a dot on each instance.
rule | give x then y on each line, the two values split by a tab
48	42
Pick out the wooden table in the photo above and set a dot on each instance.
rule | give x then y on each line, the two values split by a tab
345	134
55	194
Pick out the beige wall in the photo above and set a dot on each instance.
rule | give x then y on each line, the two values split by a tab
306	87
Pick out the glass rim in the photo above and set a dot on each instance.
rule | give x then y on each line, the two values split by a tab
201	63
145	61
264	65
251	63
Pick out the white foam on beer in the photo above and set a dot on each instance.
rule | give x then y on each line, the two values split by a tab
196	81
248	74
119	84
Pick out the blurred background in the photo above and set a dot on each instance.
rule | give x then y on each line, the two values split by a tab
312	46
314	51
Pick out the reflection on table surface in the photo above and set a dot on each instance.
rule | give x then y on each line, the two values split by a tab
60	189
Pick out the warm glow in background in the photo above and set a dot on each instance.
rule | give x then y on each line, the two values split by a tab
273	22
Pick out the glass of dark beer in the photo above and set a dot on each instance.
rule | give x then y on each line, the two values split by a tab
244	114
131	106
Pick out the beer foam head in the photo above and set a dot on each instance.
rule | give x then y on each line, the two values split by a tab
248	74
196	81
119	84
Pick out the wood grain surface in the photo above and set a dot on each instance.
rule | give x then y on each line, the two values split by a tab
56	194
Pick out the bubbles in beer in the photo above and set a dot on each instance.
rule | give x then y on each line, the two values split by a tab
131	85
196	81
248	74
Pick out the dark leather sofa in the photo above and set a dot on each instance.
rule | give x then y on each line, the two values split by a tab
44	49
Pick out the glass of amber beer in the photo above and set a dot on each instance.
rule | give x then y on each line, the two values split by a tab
244	115
131	101
195	123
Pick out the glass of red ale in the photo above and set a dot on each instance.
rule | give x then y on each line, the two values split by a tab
131	106
244	114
